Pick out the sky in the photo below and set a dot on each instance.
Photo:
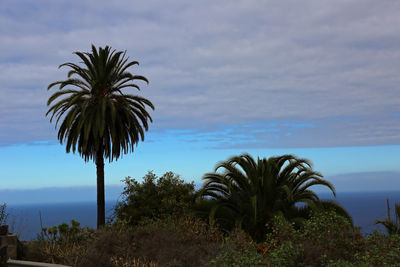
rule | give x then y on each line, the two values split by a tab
318	79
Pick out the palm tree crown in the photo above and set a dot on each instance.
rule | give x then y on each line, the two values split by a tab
97	112
98	119
250	192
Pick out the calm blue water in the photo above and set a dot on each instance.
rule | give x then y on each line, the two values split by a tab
365	208
25	219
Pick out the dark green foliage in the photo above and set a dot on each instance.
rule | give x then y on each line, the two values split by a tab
171	241
325	237
3	222
392	227
328	239
60	244
375	250
110	244
64	233
96	114
330	235
380	250
248	193
280	247
177	241
98	119
238	249
155	197
3	214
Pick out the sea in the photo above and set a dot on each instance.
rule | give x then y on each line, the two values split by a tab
27	220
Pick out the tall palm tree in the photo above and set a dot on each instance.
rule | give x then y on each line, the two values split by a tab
250	192
98	119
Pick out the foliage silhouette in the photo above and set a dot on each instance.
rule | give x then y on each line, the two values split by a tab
154	198
248	193
3	214
392	227
98	119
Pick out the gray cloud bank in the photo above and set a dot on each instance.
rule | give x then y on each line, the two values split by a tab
215	66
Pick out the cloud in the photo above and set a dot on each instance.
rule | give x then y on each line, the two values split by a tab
324	132
218	64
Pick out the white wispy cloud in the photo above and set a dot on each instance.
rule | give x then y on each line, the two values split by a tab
218	63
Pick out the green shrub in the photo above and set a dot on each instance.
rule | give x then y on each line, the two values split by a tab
154	198
131	262
64	233
379	250
238	250
62	244
111	246
342	263
325	237
177	241
282	246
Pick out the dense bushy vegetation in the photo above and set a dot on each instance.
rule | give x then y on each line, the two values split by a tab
173	241
249	193
326	239
159	224
163	221
154	198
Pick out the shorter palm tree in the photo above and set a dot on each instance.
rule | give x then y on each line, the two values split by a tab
248	193
392	227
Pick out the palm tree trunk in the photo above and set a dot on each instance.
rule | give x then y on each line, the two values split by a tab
101	216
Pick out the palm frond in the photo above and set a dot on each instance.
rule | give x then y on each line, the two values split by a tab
255	191
94	111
